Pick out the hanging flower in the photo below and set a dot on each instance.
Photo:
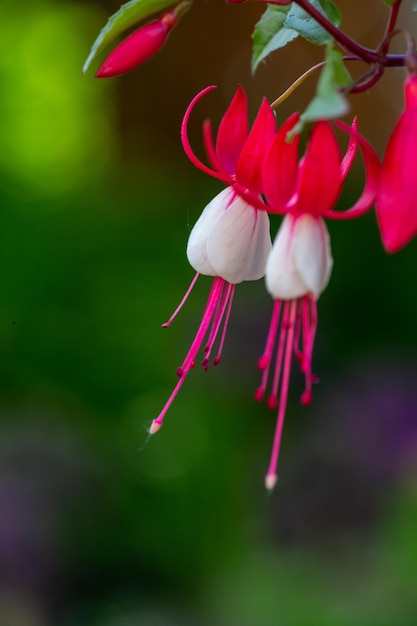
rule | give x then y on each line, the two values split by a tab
231	239
397	196
300	263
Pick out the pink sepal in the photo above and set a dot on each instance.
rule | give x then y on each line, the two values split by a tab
186	142
232	132
372	173
319	179
249	167
280	167
397	195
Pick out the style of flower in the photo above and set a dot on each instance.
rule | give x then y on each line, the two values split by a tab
300	263
231	240
397	195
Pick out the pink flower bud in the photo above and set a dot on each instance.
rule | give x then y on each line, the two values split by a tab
138	47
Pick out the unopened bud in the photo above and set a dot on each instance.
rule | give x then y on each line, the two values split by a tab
138	47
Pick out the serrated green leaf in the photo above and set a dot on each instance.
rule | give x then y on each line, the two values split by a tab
128	15
328	102
279	25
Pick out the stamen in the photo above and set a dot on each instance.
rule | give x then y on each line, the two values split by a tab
265	360
297	335
271	476
181	304
189	361
309	331
217	358
287	323
223	308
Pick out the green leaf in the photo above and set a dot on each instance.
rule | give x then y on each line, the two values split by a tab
270	33
279	25
308	28
128	15
328	102
390	2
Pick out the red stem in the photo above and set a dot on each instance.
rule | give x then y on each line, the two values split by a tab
350	45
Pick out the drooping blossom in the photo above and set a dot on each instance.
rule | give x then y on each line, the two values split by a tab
299	266
397	196
142	44
231	240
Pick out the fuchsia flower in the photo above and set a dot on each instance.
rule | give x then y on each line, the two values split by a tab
231	239
397	196
300	263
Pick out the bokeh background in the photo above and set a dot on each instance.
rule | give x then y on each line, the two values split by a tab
100	526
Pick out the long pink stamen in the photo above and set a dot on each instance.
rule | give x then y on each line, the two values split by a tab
309	332
271	476
287	323
217	358
216	323
183	301
211	306
189	361
264	362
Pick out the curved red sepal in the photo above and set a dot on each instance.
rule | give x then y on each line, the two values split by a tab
186	142
372	173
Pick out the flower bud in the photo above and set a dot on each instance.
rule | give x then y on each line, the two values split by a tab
138	47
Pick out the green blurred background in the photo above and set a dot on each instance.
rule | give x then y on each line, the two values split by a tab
98	525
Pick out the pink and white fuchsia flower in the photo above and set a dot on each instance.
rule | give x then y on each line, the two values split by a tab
300	263
231	239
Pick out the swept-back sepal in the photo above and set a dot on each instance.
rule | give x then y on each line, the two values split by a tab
372	175
186	142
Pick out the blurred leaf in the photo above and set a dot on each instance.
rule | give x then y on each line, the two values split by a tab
279	25
128	15
328	102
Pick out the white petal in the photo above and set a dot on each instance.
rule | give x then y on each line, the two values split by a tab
239	242
312	254
197	241
300	262
282	278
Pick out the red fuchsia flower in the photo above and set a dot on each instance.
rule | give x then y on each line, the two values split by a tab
141	45
300	263
397	196
231	239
